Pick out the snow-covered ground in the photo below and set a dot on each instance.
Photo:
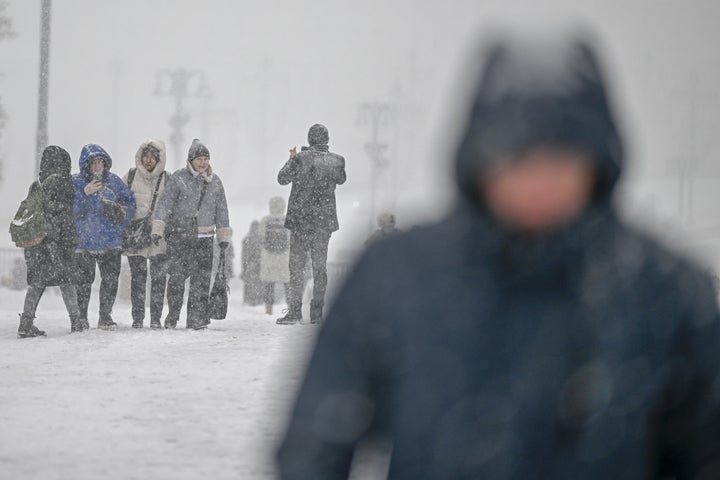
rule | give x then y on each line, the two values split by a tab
144	404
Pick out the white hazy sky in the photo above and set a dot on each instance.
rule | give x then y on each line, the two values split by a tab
277	66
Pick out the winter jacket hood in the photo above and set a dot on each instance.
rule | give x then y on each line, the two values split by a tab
55	160
162	158
90	152
97	231
318	135
540	91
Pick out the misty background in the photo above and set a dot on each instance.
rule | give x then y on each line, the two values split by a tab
261	72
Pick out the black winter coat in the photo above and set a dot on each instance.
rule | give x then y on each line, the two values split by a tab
52	262
590	353
314	174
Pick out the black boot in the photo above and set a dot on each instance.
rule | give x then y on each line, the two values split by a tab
171	321
78	325
106	323
293	316
27	329
316	312
155	323
137	324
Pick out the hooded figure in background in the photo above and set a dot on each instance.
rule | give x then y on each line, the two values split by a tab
104	206
311	218
192	210
52	262
275	254
531	334
250	259
147	182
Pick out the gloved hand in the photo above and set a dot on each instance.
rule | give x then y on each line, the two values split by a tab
156	239
224	245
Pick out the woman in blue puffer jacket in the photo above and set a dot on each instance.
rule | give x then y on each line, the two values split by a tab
104	206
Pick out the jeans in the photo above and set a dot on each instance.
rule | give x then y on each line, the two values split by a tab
195	261
109	265
138	286
317	244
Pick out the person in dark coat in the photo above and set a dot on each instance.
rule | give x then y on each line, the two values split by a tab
531	334
250	274
52	262
386	228
311	218
104	206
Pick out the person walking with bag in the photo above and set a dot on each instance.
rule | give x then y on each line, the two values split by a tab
275	253
147	182
104	206
191	211
52	262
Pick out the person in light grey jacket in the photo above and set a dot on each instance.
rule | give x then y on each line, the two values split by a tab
192	210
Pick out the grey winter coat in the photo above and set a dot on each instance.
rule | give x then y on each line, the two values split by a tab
179	202
314	174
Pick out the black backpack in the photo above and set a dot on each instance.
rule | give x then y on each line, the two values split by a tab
29	226
276	237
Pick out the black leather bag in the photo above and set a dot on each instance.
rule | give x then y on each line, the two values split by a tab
218	300
137	235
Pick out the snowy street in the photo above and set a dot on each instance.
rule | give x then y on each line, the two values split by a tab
144	404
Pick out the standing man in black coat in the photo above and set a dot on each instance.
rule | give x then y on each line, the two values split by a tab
532	334
311	218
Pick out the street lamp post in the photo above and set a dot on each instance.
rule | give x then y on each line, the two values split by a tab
41	138
376	114
180	85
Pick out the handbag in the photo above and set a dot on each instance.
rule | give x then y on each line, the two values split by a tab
218	300
137	235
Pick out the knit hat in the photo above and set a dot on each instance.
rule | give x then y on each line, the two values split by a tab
197	149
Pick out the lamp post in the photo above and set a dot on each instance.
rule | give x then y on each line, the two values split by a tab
41	138
376	114
180	84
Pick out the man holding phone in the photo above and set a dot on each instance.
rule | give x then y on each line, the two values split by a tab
311	218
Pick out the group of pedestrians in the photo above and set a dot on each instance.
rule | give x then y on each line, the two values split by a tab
166	224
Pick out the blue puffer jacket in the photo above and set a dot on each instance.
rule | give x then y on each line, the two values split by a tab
97	232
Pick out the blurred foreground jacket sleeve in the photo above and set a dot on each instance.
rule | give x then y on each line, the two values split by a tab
340	401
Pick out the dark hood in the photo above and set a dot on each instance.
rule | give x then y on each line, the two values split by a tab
318	135
540	92
55	160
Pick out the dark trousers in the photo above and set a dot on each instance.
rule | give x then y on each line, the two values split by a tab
109	265
300	244
193	260
138	286
35	293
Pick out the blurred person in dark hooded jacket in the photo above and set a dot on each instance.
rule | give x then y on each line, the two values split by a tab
311	218
52	262
532	334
